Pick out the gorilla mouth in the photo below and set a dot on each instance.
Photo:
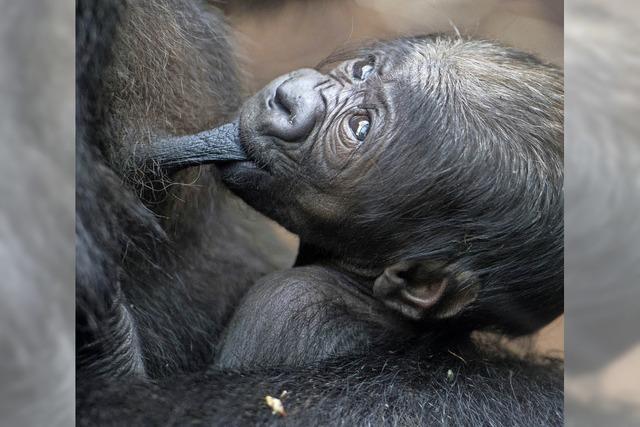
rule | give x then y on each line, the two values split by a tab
255	162
243	165
244	176
248	172
253	172
239	167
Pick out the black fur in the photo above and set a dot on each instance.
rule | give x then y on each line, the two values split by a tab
136	271
402	388
159	271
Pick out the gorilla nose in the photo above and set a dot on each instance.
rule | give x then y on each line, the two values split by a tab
296	105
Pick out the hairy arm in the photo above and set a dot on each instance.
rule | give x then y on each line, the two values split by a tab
301	315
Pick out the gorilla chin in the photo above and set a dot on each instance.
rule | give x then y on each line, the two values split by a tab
272	122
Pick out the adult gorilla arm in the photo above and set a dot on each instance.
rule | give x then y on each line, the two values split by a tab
451	387
160	261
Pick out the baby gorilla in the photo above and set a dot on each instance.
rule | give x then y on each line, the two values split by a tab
424	178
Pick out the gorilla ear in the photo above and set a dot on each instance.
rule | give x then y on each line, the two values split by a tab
423	289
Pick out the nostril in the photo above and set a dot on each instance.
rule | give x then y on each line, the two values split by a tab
280	100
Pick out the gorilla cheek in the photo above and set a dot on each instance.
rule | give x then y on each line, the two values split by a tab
319	208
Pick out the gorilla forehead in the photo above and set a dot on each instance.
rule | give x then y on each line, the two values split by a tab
472	91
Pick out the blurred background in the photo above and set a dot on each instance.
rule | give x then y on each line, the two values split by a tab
602	282
277	37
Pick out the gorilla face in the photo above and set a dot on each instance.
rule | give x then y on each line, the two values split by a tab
408	145
312	140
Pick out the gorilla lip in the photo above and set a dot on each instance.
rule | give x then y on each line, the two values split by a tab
250	164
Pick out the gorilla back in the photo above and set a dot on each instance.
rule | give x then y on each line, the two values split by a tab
162	265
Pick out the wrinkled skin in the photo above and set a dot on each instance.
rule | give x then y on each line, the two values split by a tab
304	161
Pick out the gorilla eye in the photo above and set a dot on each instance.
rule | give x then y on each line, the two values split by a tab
359	126
363	69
